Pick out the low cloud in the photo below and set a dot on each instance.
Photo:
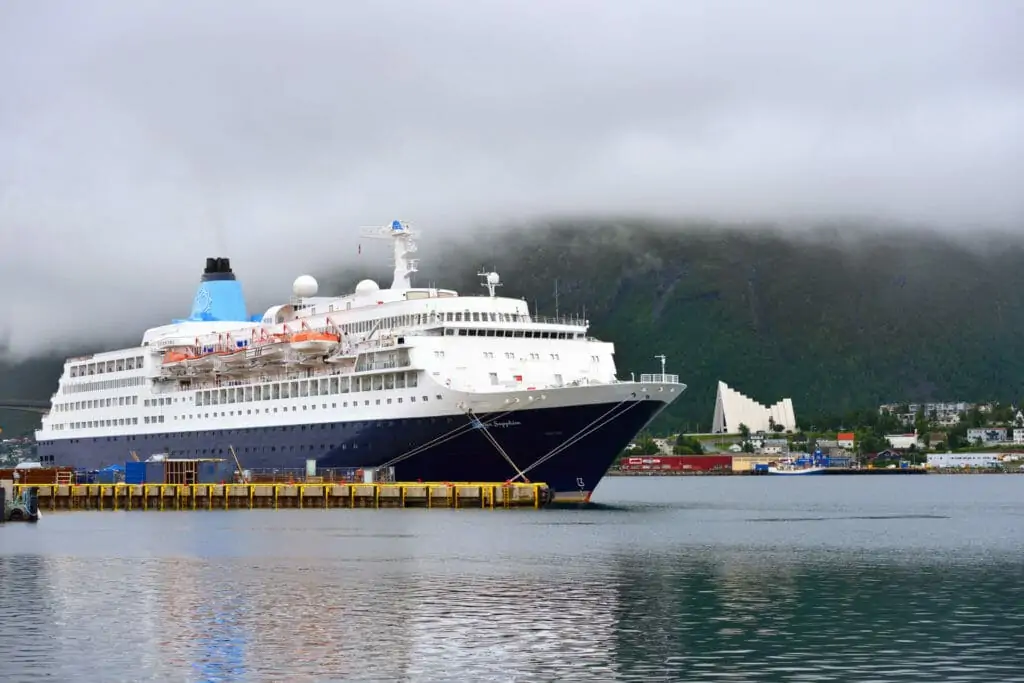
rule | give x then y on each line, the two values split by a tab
136	139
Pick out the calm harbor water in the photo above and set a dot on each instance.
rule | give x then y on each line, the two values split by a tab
674	579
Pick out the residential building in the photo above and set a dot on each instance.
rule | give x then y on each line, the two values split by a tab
1018	436
774	446
903	441
987	435
946	414
846	440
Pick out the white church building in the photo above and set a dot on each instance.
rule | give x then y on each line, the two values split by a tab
733	409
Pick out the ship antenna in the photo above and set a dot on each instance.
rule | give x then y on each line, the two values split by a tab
401	234
491	281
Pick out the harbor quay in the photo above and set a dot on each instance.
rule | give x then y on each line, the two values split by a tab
376	495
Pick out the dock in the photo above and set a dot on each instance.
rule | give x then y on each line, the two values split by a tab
252	496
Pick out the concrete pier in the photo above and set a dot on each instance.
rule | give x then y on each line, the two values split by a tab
487	495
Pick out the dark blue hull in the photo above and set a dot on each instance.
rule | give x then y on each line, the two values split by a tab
458	451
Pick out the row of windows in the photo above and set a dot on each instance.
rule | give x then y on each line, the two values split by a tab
285	409
432	318
73	406
101	367
160	419
489	355
104	384
93	424
519	334
326	386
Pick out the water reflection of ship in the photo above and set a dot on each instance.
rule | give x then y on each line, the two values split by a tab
446	621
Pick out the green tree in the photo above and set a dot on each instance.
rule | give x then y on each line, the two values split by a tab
688	445
744	432
645	445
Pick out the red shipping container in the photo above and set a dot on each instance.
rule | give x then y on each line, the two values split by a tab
679	463
700	463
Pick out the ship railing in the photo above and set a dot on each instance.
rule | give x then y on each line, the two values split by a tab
659	379
209	382
382	365
571	321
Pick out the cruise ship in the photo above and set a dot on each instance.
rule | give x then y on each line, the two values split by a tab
438	386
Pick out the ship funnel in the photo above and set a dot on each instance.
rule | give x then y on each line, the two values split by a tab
219	296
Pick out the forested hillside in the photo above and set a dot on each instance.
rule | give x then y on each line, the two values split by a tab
838	320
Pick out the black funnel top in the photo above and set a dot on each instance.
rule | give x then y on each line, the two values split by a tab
218	269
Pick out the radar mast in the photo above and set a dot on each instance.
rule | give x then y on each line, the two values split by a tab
401	234
491	281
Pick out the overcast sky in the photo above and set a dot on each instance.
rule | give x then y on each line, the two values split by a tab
137	137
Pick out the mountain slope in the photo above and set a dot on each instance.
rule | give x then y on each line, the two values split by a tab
838	320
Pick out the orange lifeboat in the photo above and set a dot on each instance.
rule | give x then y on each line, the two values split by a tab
176	357
313	342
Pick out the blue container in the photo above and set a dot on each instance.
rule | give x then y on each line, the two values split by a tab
155	472
210	473
135	473
106	477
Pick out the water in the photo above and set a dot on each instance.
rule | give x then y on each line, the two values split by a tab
683	579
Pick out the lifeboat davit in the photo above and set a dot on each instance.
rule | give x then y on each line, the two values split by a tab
316	343
271	349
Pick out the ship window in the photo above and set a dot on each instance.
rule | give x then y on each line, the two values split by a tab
294	389
333	385
303	389
389	381
400	380
314	387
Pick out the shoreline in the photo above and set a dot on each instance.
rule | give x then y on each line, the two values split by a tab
873	471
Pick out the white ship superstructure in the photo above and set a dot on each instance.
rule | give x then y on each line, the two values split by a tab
438	385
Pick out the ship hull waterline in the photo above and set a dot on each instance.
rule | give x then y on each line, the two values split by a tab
442	448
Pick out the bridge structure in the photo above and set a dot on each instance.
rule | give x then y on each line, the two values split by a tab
24	405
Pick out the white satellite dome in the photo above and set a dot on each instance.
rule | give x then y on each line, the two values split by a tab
366	286
493	278
305	286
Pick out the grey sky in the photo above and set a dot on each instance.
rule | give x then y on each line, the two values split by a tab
137	138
